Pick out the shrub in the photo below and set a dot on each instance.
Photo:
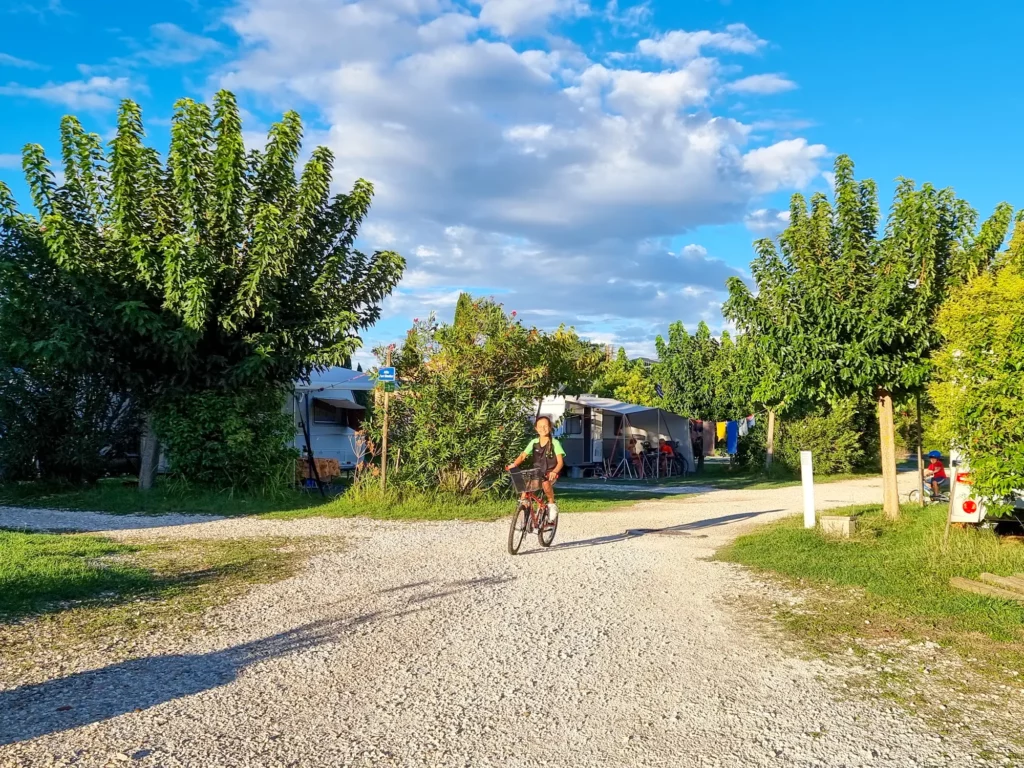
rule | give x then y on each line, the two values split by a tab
830	434
230	440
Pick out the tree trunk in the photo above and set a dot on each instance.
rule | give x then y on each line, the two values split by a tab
149	455
887	435
769	454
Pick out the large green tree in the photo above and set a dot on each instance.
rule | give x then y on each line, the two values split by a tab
218	269
849	311
979	387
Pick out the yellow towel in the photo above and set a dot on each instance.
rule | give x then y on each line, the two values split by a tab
720	430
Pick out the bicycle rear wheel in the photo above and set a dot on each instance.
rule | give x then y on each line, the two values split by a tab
546	534
517	528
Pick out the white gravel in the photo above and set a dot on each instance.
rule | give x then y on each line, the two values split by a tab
427	645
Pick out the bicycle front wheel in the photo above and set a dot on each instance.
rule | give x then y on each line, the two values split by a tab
517	528
914	497
546	534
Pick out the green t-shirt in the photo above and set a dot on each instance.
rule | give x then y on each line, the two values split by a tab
559	450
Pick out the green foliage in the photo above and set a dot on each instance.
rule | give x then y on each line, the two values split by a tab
215	271
62	428
625	380
830	433
979	392
461	413
707	378
229	439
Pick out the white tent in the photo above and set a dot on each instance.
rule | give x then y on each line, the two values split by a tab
325	407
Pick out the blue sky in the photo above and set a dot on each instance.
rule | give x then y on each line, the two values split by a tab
604	164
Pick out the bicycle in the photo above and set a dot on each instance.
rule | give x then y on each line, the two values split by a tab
914	497
531	512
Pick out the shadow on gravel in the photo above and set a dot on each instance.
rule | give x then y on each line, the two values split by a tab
31	711
635	533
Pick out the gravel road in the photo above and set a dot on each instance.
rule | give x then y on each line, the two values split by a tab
427	645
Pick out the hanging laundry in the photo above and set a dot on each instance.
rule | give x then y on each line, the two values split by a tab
720	430
751	421
709	437
744	429
732	439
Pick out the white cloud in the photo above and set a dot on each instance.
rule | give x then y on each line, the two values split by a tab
94	93
173	46
679	45
10	162
788	163
6	60
766	221
514	17
526	170
761	84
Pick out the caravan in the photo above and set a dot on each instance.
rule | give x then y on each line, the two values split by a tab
326	411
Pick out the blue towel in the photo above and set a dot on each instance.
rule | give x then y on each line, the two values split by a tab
732	438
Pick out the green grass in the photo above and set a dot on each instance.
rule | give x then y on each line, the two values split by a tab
37	570
121	497
41	572
897	572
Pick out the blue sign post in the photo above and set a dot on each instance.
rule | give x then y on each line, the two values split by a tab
385	375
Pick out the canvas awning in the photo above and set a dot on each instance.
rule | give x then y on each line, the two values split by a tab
340	402
337	378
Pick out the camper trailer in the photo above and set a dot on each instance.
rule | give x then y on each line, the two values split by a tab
594	431
326	411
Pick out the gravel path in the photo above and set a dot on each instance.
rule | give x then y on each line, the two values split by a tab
427	645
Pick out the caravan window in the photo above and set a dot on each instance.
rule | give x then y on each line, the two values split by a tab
323	413
573	425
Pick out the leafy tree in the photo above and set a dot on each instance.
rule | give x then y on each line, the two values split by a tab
979	389
626	380
850	312
217	270
462	410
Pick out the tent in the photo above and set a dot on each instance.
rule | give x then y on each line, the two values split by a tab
592	428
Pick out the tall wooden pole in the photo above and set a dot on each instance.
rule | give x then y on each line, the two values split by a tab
890	488
384	440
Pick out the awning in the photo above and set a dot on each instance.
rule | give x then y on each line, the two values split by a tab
340	402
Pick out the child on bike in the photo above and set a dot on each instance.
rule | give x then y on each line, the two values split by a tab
935	474
548	456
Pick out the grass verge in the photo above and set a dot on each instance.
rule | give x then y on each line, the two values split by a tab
882	601
78	592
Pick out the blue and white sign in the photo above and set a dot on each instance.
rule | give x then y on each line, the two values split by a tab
386	375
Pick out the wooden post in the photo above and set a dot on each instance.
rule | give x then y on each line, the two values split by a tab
769	455
807	481
890	487
384	438
920	452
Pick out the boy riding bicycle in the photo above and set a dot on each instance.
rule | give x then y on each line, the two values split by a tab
935	474
549	457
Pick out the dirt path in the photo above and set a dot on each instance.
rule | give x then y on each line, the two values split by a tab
427	645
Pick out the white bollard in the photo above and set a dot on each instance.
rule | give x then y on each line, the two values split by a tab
807	477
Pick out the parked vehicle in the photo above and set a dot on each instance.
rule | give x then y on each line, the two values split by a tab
967	507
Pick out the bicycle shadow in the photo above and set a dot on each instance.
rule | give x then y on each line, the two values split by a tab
636	533
84	698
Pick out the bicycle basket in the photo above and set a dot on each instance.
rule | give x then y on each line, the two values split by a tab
527	480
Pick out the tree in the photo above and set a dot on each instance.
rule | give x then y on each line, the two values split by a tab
848	312
625	380
467	391
215	271
979	389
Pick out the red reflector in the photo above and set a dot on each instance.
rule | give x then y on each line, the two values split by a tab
964	477
970	506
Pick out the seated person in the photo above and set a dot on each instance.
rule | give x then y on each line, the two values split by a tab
667	455
935	473
636	455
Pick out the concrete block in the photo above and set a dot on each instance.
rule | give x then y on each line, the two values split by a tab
843	526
